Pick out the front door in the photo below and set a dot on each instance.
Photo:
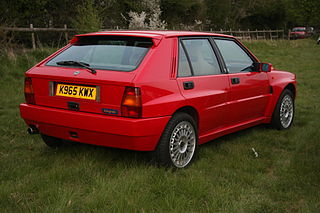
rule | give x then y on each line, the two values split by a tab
250	90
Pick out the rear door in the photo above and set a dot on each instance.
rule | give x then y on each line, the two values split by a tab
202	82
250	90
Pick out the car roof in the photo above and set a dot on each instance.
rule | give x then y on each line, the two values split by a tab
154	34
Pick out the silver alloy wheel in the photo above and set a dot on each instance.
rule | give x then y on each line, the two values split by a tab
286	111
182	144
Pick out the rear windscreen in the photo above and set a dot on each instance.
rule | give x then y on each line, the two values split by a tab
106	52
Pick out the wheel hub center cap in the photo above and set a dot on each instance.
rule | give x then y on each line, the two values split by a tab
286	114
183	145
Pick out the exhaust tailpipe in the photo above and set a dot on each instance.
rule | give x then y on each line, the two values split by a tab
32	130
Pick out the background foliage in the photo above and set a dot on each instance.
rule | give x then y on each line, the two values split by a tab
177	14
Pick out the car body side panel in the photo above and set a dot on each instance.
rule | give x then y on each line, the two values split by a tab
278	81
160	94
229	129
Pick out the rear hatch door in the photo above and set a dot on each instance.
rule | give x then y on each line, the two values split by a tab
73	87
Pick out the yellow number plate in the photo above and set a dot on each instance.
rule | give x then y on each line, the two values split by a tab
76	91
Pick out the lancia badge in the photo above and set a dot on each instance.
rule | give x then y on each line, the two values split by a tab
76	73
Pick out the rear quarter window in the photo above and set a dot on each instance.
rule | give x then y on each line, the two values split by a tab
106	52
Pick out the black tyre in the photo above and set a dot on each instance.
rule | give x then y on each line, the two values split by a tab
178	144
51	141
283	114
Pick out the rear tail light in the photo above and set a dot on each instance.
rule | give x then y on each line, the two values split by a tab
28	91
131	105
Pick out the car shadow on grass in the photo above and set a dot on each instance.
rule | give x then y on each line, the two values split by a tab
131	158
99	153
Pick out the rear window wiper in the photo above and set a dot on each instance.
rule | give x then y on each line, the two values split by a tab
77	63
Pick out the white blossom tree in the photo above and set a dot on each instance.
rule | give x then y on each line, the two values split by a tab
149	19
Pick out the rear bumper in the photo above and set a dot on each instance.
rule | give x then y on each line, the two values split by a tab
104	130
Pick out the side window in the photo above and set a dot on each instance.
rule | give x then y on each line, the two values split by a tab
183	65
235	57
202	57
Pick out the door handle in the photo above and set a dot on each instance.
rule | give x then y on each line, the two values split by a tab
235	80
188	85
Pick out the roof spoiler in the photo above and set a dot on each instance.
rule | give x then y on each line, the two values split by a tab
156	40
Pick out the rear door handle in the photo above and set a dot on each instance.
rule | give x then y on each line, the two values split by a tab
188	85
235	80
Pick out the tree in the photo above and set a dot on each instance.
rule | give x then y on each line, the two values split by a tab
303	12
149	18
182	12
268	14
218	13
87	18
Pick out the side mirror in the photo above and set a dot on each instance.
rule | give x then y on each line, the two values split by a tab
261	67
265	67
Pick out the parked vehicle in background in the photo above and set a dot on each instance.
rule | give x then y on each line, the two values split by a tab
160	91
301	32
318	40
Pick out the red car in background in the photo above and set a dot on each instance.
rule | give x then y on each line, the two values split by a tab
160	91
301	32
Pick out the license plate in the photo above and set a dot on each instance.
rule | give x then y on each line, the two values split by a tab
76	91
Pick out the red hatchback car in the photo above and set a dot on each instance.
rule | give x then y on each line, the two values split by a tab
299	33
161	91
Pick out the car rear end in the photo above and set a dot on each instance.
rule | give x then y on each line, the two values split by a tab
86	92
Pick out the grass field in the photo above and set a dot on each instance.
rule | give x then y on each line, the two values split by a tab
227	177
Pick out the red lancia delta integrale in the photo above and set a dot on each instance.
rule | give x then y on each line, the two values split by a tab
160	91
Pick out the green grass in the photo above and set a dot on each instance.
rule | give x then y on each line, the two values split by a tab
227	177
